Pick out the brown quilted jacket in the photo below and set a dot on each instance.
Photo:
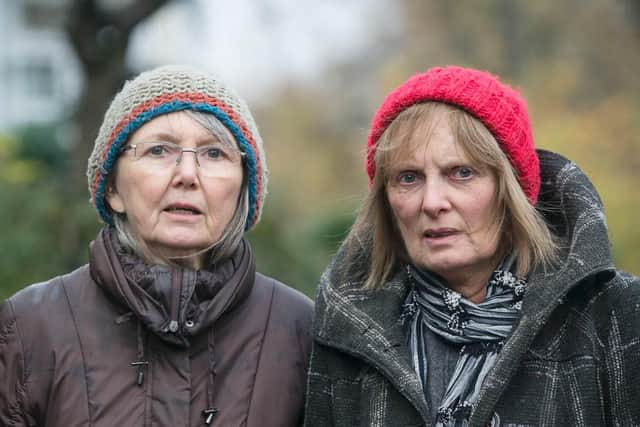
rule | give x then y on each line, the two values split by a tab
117	343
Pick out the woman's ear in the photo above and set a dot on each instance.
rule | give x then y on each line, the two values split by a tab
115	201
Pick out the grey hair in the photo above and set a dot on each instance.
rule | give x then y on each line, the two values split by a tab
231	235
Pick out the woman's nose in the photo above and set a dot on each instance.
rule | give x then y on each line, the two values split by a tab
186	169
435	198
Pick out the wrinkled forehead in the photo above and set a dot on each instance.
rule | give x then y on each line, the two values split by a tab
413	130
413	133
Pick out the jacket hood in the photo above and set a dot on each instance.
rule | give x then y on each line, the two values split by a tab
174	303
573	209
367	323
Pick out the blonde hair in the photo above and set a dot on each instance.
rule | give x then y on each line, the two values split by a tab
521	227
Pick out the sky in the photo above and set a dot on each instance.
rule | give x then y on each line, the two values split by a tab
257	45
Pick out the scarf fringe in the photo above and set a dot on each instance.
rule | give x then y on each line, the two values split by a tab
480	348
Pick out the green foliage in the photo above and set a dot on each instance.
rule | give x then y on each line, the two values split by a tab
294	253
40	222
33	243
603	140
40	144
15	170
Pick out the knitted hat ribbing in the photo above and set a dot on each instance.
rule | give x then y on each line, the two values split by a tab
499	107
165	90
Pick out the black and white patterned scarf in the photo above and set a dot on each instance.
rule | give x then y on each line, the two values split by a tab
480	328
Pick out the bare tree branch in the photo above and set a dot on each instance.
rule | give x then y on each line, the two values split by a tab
126	20
100	38
634	9
97	35
83	23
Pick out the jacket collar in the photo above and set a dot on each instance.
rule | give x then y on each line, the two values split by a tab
573	208
163	299
367	324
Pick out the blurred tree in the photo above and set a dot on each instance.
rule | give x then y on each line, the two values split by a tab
634	14
312	180
32	178
100	36
52	234
99	32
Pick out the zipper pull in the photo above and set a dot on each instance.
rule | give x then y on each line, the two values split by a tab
173	326
208	415
141	365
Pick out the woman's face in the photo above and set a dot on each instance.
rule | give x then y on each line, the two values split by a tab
176	210
444	207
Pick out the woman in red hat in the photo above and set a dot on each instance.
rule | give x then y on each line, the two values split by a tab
476	286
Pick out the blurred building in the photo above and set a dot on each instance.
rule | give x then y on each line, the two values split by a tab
40	77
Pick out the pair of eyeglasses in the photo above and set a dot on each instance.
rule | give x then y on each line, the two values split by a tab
212	159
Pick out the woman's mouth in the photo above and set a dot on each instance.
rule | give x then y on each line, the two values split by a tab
440	236
439	233
182	209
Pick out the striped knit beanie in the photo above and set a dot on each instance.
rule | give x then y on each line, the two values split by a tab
165	90
499	107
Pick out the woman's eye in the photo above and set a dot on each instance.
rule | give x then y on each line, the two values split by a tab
407	178
213	153
463	172
157	150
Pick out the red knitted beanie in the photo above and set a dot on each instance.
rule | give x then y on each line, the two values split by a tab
499	107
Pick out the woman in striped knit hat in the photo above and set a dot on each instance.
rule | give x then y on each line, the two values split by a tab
476	286
169	324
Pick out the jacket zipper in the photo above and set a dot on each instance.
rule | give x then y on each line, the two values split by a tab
176	291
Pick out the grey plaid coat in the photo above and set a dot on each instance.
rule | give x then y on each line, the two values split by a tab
573	357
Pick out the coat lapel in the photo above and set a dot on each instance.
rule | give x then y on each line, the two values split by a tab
578	219
367	325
